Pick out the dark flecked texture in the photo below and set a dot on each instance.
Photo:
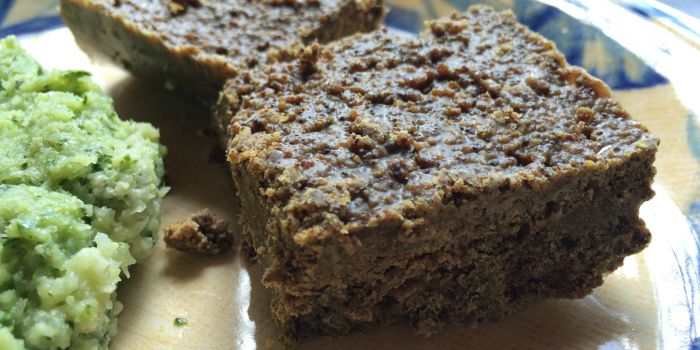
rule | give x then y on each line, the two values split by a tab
385	122
454	177
193	46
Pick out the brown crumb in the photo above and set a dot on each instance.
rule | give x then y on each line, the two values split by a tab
201	233
175	8
178	7
293	3
308	59
193	3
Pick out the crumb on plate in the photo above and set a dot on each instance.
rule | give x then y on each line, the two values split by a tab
201	233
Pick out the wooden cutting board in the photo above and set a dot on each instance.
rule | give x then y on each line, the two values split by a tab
225	306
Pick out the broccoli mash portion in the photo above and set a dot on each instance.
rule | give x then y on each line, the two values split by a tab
80	195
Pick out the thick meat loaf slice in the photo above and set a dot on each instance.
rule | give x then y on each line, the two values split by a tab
454	177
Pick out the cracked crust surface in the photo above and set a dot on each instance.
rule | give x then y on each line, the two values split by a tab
454	177
379	127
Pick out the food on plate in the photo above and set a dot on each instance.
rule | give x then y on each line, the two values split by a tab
202	233
80	195
194	46
454	177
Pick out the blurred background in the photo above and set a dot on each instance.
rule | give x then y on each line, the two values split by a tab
691	7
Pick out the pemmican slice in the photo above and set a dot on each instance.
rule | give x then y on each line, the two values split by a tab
80	202
194	45
452	178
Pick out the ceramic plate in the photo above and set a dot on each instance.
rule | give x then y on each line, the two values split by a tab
648	53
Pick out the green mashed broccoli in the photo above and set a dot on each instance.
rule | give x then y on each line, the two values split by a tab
80	195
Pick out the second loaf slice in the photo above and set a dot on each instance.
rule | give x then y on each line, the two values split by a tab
193	46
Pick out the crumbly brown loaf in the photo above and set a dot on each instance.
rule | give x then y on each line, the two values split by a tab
201	233
454	177
193	45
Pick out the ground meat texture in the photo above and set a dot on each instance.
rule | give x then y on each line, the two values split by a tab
193	46
453	177
202	233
